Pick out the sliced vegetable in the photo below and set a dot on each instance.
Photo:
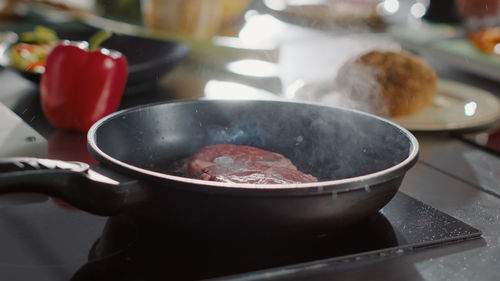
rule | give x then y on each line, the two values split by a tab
23	55
32	50
40	35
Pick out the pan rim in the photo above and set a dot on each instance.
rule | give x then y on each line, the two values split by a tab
338	185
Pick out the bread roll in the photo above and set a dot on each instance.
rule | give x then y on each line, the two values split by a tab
387	83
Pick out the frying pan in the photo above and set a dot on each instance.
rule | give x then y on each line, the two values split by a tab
358	158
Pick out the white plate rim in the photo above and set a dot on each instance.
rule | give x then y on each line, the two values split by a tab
456	90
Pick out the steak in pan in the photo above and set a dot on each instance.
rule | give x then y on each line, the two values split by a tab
244	164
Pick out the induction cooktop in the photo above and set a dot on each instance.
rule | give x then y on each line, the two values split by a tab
44	239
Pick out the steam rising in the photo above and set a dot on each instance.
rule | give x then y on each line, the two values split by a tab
328	143
329	78
355	87
358	91
358	86
325	144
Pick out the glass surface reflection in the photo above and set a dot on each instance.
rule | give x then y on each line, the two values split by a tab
134	249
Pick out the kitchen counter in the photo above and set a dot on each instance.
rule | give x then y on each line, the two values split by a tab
453	176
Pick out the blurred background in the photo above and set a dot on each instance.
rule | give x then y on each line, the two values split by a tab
275	48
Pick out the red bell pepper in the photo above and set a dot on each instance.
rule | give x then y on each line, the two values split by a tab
82	84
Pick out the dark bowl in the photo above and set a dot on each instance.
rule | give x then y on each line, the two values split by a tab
149	59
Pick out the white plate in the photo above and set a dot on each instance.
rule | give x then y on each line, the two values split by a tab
456	106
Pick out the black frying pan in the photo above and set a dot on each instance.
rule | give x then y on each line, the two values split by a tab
359	159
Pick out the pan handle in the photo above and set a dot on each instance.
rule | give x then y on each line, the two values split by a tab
73	182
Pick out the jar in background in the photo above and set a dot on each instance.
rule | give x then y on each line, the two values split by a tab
478	14
189	19
194	19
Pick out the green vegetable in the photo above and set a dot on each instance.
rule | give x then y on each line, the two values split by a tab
32	49
40	35
96	40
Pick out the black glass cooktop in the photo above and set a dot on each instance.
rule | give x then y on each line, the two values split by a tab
44	239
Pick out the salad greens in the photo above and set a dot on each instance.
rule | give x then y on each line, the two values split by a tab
32	49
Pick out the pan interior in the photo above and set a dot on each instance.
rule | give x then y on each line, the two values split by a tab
329	143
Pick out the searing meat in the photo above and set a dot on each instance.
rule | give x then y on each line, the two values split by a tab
244	164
